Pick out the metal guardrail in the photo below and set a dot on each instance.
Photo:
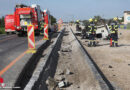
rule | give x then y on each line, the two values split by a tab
102	80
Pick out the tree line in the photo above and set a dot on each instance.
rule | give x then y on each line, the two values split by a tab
101	20
2	23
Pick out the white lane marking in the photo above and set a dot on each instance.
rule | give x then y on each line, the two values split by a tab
6	36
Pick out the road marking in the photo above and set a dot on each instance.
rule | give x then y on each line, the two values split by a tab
6	36
12	63
7	39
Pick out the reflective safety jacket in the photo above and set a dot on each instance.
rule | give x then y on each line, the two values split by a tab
92	28
113	28
42	25
77	23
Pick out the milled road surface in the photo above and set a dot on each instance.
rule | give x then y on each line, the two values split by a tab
72	67
13	56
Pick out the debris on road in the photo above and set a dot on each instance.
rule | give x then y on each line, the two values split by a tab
72	72
61	84
59	78
110	66
68	72
51	83
66	48
60	72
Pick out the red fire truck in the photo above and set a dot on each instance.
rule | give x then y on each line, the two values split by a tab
9	24
26	15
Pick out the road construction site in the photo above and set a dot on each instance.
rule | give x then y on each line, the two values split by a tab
65	62
57	64
17	65
65	65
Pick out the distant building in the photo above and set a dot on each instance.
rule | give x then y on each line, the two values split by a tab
126	17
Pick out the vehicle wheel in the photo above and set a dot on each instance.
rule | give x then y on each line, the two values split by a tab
13	32
7	33
37	33
20	34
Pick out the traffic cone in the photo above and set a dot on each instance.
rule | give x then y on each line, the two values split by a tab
110	42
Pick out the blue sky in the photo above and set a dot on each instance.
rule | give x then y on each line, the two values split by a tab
73	9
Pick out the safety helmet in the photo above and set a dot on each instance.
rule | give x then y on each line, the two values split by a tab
77	21
90	20
95	20
115	18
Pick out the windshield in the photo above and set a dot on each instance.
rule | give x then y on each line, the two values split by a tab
25	20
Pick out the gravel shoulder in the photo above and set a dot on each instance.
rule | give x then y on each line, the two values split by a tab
114	62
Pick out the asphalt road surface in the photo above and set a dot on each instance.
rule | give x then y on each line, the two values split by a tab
13	56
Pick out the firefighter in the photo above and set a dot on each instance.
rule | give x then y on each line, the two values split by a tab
95	21
114	32
84	35
42	25
77	22
92	33
77	25
84	32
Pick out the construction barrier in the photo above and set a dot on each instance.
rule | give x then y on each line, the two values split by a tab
59	27
60	21
110	41
46	32
46	19
31	39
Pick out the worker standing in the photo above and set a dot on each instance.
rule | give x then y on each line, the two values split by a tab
42	25
84	35
77	25
92	32
114	32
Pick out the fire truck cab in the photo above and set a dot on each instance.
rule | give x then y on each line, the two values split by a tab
27	15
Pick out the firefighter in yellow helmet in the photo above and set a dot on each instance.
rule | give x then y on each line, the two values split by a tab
114	32
90	20
115	18
42	25
95	20
92	33
77	25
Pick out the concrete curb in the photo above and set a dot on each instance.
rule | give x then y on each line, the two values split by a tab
43	64
103	82
30	65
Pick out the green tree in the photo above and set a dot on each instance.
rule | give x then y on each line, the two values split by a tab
85	22
2	23
53	20
98	18
121	20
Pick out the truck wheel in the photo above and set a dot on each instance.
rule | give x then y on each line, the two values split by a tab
37	33
20	34
13	33
7	33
